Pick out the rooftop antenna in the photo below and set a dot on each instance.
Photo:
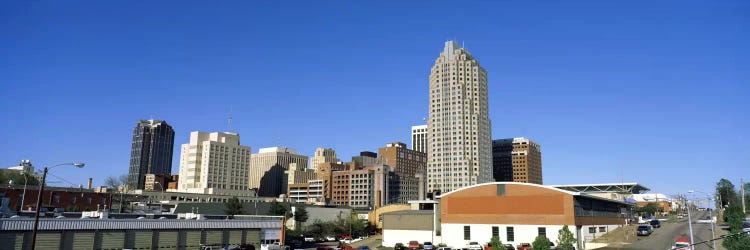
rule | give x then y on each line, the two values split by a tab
229	120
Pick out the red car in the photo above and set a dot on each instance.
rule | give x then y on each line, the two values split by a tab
414	244
346	237
524	246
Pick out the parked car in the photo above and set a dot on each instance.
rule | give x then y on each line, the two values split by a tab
414	245
363	248
428	246
644	230
706	220
509	247
746	227
524	246
444	248
655	223
399	246
474	246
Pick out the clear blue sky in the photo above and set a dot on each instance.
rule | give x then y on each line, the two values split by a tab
652	92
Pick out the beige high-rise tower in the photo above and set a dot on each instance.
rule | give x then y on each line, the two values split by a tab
269	165
323	155
214	163
459	140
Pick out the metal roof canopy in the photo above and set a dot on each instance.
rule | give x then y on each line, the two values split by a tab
632	188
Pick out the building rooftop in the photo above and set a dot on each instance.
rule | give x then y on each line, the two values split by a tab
410	212
277	150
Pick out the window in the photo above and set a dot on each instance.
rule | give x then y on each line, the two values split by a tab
467	233
510	236
495	232
602	229
542	231
592	230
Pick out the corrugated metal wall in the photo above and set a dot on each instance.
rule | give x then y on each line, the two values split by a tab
235	237
48	240
252	236
111	239
213	237
190	239
12	240
78	240
167	239
134	239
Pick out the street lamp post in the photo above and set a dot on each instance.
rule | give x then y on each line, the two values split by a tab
161	206
39	199
713	222
690	225
23	196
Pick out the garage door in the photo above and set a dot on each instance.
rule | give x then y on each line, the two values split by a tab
111	239
253	238
12	240
48	240
214	237
167	239
140	239
78	240
235	237
190	239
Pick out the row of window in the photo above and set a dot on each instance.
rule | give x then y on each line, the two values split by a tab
509	233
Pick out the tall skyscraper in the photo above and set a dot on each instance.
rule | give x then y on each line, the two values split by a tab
323	155
419	138
215	163
151	151
459	148
269	165
517	159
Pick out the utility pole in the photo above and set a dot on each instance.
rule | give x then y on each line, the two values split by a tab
742	191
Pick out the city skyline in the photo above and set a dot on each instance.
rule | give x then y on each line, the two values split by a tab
618	85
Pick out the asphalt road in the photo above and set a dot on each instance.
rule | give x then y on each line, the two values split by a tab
663	238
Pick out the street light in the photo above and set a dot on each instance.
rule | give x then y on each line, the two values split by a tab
713	222
690	223
39	198
161	206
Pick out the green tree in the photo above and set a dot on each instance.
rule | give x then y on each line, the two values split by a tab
565	239
301	216
738	240
496	243
541	243
649	209
233	206
726	192
18	179
281	209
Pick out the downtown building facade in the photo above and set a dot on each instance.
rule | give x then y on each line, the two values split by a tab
459	138
323	155
269	166
214	163
517	159
419	138
409	167
151	151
